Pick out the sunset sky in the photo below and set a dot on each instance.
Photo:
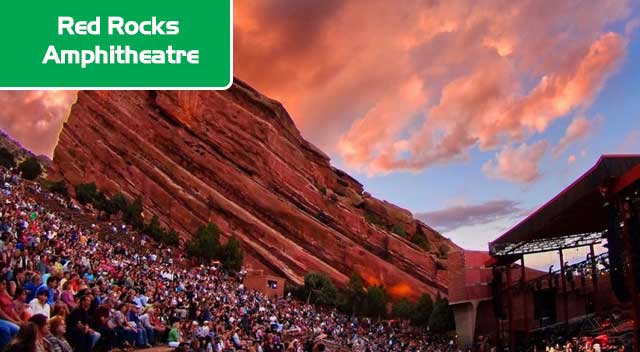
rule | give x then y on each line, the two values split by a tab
469	113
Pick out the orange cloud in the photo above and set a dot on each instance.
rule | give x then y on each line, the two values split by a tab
517	164
471	65
35	118
579	128
403	86
485	108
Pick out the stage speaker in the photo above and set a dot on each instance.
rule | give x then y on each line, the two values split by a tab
496	291
544	305
634	234
615	246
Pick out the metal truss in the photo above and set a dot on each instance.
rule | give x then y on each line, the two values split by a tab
575	272
547	244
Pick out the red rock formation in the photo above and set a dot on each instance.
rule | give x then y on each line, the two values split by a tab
236	158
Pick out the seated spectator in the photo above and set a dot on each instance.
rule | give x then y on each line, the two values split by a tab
103	324
51	287
7	305
60	309
159	327
25	341
8	330
56	340
67	295
42	331
39	304
174	336
9	321
144	321
79	331
22	308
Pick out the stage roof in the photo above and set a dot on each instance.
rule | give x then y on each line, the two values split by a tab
578	209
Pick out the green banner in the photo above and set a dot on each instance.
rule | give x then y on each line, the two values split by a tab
116	44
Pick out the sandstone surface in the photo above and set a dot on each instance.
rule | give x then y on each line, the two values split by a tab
236	158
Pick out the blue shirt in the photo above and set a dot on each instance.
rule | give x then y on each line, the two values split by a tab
31	289
50	291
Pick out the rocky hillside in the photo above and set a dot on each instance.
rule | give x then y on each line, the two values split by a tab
19	152
236	158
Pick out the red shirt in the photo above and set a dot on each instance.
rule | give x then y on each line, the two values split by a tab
6	303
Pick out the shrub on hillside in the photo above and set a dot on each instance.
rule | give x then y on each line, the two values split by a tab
7	159
422	311
402	309
58	187
133	214
443	251
354	295
120	202
154	229
231	255
319	289
420	239
30	168
205	245
399	230
86	192
442	318
171	238
376	301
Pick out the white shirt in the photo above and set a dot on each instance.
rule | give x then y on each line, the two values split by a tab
37	308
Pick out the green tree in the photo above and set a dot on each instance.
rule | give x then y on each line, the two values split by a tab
109	206
57	187
100	201
30	168
205	245
319	289
399	230
154	229
171	237
372	218
133	214
442	319
402	309
422	311
376	301
232	255
119	202
86	192
443	251
7	159
421	240
353	296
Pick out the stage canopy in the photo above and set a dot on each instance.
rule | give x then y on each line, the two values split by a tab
575	217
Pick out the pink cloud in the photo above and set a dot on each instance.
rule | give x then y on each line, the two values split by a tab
452	218
571	159
485	74
517	164
344	83
578	129
485	109
630	143
35	118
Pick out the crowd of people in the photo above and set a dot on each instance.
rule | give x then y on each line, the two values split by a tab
67	286
600	343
